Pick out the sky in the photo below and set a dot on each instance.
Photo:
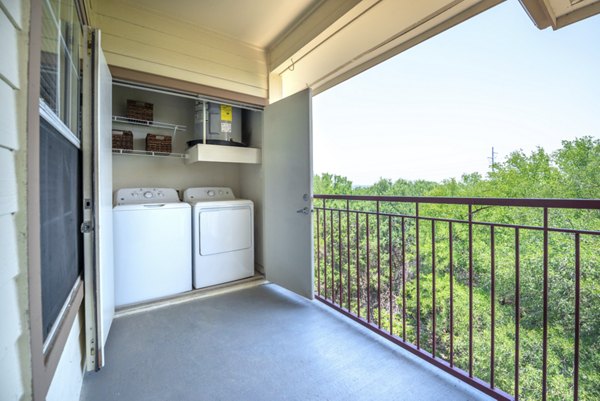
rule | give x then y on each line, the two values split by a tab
436	110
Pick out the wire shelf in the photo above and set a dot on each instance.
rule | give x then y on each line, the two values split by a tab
147	153
152	124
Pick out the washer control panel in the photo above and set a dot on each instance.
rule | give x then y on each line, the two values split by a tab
205	194
140	196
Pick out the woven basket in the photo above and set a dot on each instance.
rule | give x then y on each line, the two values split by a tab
122	140
158	143
140	110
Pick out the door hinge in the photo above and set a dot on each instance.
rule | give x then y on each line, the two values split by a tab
87	227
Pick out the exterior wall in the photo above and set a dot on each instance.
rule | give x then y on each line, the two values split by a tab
15	342
15	351
67	381
143	40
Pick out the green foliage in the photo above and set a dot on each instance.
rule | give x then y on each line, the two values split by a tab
331	184
579	161
571	172
522	176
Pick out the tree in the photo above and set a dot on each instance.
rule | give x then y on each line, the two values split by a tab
571	172
579	163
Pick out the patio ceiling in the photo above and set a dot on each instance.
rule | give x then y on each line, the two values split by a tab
287	45
257	23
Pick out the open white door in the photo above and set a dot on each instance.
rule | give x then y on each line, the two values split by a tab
287	163
97	188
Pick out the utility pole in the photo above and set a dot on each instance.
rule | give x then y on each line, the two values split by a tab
493	159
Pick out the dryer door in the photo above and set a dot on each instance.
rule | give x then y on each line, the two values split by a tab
225	229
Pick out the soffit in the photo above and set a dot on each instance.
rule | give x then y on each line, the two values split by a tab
316	43
372	32
561	8
560	13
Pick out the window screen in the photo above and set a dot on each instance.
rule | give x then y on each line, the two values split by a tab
60	197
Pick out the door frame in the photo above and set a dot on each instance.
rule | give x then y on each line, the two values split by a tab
95	242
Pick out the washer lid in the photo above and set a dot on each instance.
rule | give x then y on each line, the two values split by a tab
152	207
207	194
139	196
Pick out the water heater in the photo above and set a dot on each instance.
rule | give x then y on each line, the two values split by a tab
223	124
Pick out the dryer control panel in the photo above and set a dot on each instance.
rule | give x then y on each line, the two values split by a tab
140	196
205	194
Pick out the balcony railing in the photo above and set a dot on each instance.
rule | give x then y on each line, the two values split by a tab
501	293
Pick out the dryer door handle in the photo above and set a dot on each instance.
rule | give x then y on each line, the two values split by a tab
153	205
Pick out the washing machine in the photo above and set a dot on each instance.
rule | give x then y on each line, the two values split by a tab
222	236
152	244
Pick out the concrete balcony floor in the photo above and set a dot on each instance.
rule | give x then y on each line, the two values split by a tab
260	343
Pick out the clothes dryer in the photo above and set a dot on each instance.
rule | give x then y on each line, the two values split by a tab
222	236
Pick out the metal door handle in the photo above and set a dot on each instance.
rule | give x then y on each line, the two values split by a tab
304	210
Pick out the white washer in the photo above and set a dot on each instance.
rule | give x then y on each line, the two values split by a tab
152	244
222	235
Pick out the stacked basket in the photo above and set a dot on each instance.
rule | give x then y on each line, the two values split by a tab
158	143
138	110
142	112
122	140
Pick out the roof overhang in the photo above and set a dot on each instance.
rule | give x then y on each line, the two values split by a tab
559	13
358	38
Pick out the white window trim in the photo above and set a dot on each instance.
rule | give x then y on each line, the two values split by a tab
49	342
50	116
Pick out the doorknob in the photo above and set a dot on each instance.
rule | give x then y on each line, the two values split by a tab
304	210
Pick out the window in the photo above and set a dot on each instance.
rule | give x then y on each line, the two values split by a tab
60	59
60	158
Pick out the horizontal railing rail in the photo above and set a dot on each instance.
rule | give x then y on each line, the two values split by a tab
444	276
515	202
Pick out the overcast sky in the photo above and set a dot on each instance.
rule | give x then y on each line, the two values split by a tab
436	110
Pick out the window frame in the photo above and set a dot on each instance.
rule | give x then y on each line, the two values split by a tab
45	355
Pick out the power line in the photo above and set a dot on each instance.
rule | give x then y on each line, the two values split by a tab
493	160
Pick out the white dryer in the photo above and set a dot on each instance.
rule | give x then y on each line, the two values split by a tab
222	235
152	244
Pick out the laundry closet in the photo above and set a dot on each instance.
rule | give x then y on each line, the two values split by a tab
167	139
164	139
